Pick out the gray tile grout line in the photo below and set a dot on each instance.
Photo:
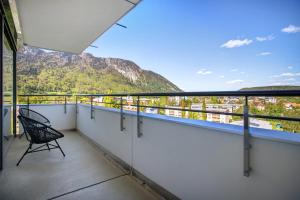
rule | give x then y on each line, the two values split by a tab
85	187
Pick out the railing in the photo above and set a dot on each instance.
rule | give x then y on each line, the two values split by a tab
29	99
89	98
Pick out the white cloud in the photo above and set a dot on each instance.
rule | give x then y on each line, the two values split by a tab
287	74
277	83
290	79
242	72
264	53
290	67
265	38
221	76
236	43
204	72
291	29
235	81
234	70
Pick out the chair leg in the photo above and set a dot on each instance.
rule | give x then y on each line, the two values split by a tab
6	137
60	148
21	135
24	154
48	146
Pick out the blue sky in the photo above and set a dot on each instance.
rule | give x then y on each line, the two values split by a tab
208	45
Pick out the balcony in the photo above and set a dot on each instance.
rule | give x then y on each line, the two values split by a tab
85	173
115	153
121	151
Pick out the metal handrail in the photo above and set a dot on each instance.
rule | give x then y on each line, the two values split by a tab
245	114
45	95
253	93
265	93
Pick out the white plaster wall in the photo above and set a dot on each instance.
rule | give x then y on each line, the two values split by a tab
104	129
7	121
195	162
55	113
199	163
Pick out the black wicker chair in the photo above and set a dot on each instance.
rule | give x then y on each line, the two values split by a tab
25	112
39	133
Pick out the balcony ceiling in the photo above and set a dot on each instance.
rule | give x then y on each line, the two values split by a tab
69	26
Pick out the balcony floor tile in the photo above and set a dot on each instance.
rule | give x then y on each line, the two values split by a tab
117	189
45	174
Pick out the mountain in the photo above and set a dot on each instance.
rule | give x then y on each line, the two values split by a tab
282	87
40	71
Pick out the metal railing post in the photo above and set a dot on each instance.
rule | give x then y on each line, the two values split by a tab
139	120
92	109
122	128
65	106
247	145
76	104
28	105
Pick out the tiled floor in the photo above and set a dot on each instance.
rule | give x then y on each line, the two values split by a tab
83	174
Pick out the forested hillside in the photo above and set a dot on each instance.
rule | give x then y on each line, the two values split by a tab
41	72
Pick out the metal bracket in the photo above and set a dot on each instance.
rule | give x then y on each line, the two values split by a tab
28	102
139	119
247	145
76	104
65	106
122	117
92	108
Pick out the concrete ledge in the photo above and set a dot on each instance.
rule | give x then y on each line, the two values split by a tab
278	136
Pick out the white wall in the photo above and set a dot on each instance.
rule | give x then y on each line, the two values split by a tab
55	113
198	163
105	130
194	162
7	121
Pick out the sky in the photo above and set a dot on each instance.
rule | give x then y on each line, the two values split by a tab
210	45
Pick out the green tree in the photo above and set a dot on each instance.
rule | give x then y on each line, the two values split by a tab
215	100
163	101
204	115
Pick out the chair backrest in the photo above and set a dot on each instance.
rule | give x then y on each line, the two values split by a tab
25	112
30	128
37	132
